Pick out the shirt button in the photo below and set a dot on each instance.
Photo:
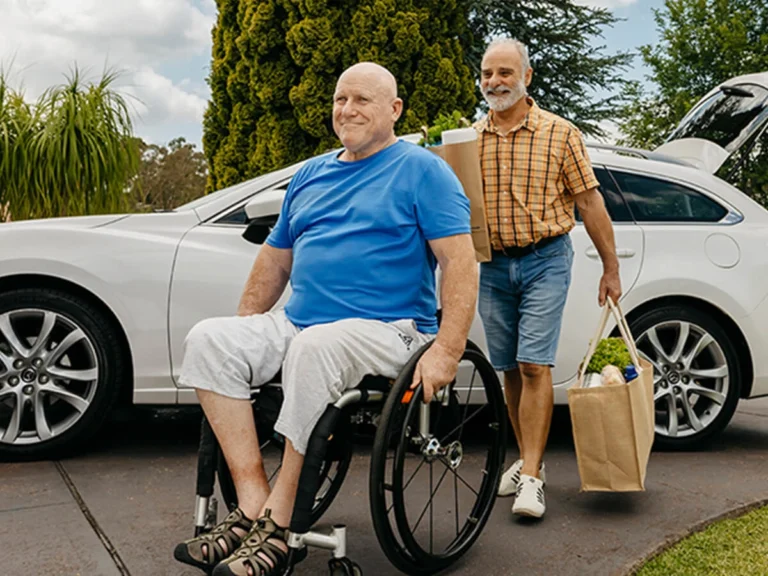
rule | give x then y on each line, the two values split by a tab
505	167
506	219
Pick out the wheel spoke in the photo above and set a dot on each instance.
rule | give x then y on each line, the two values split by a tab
431	496
657	347
672	407
714	395
87	375
456	474
12	431
6	361
71	338
704	341
444	439
73	400
717	372
405	486
466	408
49	321
660	394
653	361
41	420
690	413
456	503
6	330
685	330
431	510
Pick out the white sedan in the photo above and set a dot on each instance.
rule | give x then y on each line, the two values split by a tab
94	310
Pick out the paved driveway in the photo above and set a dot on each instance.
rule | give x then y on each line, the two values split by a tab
121	508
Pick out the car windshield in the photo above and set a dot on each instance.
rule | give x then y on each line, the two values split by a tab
727	117
212	196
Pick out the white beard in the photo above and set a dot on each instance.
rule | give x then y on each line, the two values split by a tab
505	100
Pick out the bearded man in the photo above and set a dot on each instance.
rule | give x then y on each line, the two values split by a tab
535	169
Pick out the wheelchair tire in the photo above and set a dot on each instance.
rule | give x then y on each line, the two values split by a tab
332	473
388	478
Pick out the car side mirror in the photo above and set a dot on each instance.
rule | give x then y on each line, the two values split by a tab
258	229
261	214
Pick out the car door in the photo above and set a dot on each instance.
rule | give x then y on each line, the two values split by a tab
582	311
212	264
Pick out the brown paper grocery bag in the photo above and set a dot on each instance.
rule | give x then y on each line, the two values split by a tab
613	426
465	160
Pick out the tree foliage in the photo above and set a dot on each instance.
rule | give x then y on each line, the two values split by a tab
168	176
275	65
569	71
68	153
702	43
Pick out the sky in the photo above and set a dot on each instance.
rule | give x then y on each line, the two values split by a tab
162	49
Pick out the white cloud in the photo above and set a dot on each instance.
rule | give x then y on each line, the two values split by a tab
158	99
146	40
606	3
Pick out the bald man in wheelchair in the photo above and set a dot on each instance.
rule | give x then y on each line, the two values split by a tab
359	236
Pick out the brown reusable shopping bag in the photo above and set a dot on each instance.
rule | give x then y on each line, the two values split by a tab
464	159
613	426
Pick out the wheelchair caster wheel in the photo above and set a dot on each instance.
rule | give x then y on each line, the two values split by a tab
344	567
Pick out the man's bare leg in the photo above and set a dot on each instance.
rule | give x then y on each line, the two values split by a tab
283	496
513	386
232	423
535	415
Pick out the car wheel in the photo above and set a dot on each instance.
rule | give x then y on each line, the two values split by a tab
696	373
61	368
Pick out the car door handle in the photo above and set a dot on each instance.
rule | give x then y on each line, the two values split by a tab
621	253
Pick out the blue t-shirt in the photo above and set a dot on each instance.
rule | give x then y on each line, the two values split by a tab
359	234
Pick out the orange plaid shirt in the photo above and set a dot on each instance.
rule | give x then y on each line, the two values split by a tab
530	176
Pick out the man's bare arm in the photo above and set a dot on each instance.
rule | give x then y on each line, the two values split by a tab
600	229
458	296
458	291
267	280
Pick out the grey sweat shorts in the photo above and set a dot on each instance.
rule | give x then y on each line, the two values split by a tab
231	355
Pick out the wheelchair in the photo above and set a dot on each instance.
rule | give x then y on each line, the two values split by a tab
412	439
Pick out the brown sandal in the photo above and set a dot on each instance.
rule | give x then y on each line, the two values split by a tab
207	550
258	550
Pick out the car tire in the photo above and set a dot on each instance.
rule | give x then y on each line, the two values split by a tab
700	376
67	392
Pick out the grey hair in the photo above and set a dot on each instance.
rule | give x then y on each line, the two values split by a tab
522	49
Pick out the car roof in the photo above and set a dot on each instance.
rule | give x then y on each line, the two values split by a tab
612	157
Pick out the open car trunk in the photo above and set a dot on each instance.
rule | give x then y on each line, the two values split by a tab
724	122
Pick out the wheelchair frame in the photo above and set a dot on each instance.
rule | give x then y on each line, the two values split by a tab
371	391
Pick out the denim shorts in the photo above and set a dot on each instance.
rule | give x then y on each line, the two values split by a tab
521	304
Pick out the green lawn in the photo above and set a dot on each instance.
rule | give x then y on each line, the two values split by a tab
731	547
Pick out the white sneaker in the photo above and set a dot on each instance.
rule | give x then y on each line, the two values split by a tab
530	497
511	478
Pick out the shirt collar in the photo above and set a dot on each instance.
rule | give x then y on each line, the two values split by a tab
530	122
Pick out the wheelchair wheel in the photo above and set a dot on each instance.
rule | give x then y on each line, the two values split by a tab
332	473
456	466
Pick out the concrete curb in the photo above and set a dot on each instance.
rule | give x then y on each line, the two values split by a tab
634	567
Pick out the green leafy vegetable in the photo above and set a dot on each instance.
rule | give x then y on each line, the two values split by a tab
609	351
443	122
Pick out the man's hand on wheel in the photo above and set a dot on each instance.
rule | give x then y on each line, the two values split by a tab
436	368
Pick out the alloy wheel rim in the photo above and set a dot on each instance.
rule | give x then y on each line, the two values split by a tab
49	373
690	376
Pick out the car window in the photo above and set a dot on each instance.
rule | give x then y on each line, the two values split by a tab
725	118
614	202
237	216
656	200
